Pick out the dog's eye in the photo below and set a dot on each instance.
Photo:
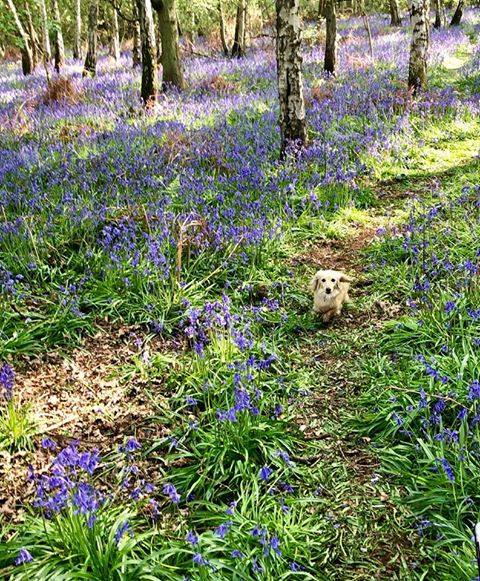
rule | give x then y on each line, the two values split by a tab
324	280
333	280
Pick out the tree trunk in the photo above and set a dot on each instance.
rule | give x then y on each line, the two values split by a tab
47	51
58	45
417	69
223	36
115	38
395	19
293	129
330	62
457	17
439	14
136	58
27	57
238	47
90	66
149	57
321	9
366	23
158	40
77	39
171	63
34	44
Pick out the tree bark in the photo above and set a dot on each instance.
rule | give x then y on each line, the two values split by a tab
457	17
238	47
47	51
90	66
293	129
34	44
395	19
321	9
77	39
171	63
330	62
439	14
417	69
366	23
136	58
149	57
115	38
158	40
58	45
223	35
27	57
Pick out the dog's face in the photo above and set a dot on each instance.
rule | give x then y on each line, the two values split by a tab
327	282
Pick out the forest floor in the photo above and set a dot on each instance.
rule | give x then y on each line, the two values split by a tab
240	437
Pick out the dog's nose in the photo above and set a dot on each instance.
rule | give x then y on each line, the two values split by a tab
328	290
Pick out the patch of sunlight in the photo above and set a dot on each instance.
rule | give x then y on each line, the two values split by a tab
351	214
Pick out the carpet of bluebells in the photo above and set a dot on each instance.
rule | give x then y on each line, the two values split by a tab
171	219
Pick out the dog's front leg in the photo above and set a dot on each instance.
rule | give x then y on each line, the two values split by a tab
328	316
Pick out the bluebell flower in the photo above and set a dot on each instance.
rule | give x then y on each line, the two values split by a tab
222	530
23	557
7	379
192	538
122	530
265	473
170	491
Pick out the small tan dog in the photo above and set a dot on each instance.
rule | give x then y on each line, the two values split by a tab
330	292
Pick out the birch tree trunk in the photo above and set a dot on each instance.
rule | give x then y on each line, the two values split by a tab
330	62
32	33
293	130
47	51
27	56
457	17
172	74
58	45
223	36
238	47
136	58
90	66
417	69
149	57
395	19
77	38
115	38
439	14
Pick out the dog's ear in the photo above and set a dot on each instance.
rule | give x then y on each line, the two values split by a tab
314	283
345	278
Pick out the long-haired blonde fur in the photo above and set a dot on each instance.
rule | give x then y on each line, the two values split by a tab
330	292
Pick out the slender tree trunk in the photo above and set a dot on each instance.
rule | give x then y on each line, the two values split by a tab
27	56
395	19
293	129
77	39
136	58
90	66
58	45
366	23
457	17
171	63
417	70
238	47
330	62
321	9
223	36
47	51
34	44
439	14
115	38
149	57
